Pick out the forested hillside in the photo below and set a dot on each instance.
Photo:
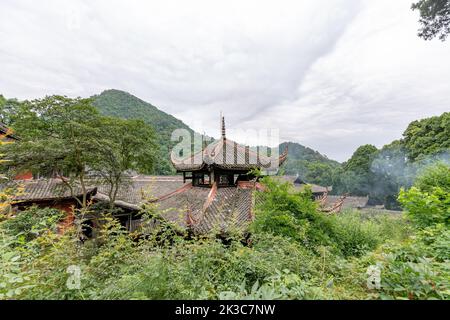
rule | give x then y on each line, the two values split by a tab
121	104
380	173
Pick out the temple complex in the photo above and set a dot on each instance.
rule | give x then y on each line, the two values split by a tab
213	193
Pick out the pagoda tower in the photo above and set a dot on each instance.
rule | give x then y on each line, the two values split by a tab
224	163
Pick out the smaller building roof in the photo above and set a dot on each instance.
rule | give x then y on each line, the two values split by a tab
350	202
46	190
315	188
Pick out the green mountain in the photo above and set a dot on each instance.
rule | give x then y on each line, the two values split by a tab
121	104
302	160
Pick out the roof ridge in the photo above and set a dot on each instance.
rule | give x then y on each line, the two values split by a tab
184	188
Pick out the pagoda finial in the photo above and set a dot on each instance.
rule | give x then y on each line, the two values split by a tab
223	126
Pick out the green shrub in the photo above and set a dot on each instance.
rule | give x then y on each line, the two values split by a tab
437	175
282	211
428	201
13	280
294	252
285	212
417	268
282	285
31	223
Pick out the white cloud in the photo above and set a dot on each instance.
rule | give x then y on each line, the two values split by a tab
329	74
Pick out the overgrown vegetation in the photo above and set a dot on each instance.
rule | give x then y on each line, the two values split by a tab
294	252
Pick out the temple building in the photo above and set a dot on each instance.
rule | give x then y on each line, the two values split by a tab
214	194
214	191
225	163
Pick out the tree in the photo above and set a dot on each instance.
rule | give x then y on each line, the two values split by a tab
427	203
319	173
436	175
427	137
7	193
59	136
8	110
119	104
357	177
434	18
70	139
126	145
392	171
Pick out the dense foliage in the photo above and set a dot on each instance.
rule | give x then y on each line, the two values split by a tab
418	268
434	18
294	252
428	201
65	137
283	211
427	137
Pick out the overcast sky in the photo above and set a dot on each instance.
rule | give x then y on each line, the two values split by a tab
329	74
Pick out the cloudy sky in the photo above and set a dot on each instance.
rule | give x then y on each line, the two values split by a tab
330	74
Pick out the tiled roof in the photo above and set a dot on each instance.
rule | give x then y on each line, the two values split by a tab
176	208
227	154
349	202
47	189
230	209
183	204
144	188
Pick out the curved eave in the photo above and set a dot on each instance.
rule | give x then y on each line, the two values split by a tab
213	156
